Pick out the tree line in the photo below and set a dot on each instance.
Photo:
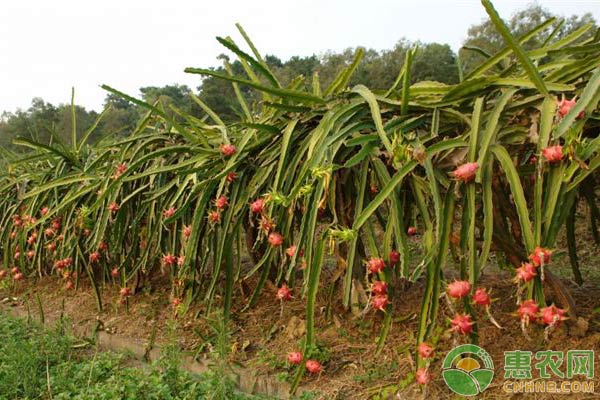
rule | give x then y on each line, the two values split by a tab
45	122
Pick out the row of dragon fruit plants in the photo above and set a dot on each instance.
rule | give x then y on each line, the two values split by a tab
497	161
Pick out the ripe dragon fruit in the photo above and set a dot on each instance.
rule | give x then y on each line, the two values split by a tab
266	224
525	273
284	293
528	311
257	206
482	298
313	366
394	257
379	288
552	315
462	324
564	106
94	257
291	251
540	256
375	265
221	202
380	302
232	176
169	212
214	217
169	259
458	289
227	149
422	376
553	154
113	207
294	358
275	239
465	172
425	350
119	170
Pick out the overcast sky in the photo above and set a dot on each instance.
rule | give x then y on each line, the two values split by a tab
46	47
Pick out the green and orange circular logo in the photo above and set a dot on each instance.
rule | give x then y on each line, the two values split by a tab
468	370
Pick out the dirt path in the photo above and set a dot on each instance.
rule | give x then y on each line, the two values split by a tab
264	335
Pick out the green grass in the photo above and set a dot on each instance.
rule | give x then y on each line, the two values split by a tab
375	372
38	363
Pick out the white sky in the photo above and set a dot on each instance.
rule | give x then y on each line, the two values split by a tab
46	47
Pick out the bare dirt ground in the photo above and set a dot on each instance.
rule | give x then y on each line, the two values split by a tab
264	334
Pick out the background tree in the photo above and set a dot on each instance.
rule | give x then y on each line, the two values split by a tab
37	122
487	38
84	120
176	95
435	62
378	70
121	116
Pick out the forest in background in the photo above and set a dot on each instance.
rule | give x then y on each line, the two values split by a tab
378	70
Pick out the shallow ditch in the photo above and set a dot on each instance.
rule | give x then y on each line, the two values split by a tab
246	380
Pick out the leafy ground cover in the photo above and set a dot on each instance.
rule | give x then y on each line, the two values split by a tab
40	363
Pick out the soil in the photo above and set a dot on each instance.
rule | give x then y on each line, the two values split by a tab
262	336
